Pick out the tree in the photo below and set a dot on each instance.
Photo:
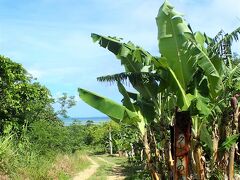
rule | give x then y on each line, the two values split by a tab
22	100
65	102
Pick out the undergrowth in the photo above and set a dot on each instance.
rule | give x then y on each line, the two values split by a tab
18	160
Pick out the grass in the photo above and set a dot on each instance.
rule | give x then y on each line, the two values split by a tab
20	163
122	167
103	171
62	167
106	169
66	166
114	159
135	172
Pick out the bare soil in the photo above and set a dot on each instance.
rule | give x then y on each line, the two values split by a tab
87	173
116	173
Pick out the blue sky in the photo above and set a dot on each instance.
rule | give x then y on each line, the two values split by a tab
51	38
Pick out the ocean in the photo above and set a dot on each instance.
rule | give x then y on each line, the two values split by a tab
83	120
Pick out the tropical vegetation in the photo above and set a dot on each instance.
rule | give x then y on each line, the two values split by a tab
181	121
34	142
185	104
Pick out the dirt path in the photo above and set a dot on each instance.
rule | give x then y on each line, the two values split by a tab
87	173
116	170
106	161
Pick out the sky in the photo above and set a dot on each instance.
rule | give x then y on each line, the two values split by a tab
51	38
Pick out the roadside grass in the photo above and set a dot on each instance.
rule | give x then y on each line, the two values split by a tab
118	165
25	163
104	170
135	172
114	159
66	166
131	171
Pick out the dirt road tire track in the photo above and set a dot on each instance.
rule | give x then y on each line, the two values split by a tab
87	173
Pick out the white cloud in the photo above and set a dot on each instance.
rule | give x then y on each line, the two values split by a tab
35	73
212	16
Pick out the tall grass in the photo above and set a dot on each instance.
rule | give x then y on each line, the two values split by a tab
67	166
6	154
18	160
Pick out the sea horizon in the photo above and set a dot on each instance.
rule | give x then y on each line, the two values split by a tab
96	119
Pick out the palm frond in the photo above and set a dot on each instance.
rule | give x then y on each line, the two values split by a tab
125	51
218	37
222	43
134	78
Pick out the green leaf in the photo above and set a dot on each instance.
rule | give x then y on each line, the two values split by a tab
109	107
200	38
229	142
172	33
134	59
206	138
126	99
234	73
200	104
142	127
209	68
184	100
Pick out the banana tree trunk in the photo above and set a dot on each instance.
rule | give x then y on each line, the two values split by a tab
215	140
231	163
169	159
110	141
234	125
150	165
238	149
182	129
197	152
224	132
159	157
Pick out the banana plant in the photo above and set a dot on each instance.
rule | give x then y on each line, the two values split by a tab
189	75
228	126
115	111
140	71
191	72
120	113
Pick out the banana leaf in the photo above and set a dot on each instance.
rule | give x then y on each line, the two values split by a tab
112	109
185	54
127	103
134	59
172	33
126	99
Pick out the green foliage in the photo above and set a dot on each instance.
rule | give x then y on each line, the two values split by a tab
22	101
31	135
114	110
205	138
19	160
6	152
229	142
76	136
135	61
46	136
66	102
172	34
194	73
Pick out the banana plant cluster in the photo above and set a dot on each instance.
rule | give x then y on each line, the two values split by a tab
182	99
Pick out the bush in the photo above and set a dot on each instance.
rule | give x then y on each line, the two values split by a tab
48	137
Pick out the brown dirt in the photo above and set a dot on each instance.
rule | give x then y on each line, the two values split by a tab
87	173
116	170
